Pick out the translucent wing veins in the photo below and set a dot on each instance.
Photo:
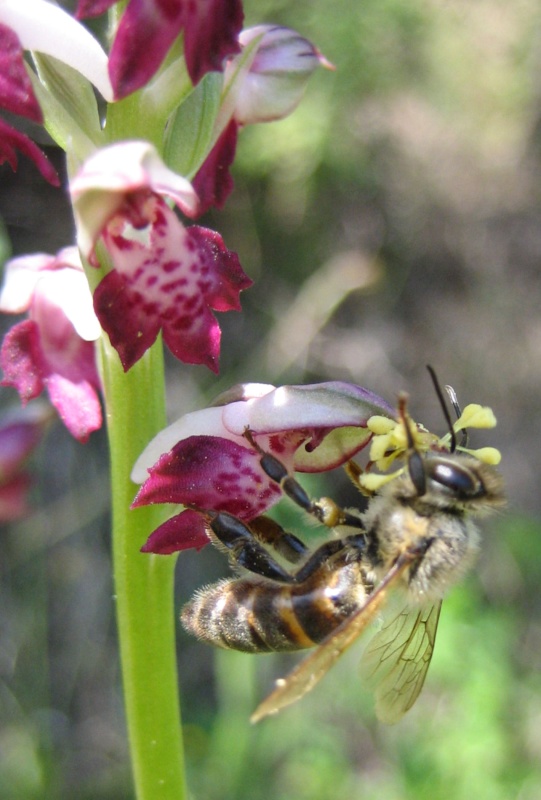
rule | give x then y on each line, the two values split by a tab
396	660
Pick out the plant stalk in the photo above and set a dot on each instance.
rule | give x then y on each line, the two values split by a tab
135	411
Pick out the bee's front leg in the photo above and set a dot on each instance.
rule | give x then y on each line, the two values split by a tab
324	510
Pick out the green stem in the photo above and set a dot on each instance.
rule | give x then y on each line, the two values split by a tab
143	583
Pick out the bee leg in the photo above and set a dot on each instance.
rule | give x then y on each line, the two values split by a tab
336	551
270	533
324	510
244	549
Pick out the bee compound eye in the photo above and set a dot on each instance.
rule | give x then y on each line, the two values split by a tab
456	479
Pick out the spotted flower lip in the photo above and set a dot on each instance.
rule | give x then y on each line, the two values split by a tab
205	460
165	276
47	350
148	28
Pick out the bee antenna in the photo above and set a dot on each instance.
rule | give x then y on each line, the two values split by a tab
415	462
443	405
458	411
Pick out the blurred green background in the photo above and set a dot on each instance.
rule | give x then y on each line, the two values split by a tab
393	221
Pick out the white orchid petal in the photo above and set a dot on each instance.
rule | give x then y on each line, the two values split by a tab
61	279
20	278
111	173
70	291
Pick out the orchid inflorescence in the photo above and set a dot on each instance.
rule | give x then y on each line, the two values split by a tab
150	126
154	273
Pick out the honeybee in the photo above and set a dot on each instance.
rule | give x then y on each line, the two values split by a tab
414	541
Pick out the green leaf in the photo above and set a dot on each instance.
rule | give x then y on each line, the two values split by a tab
69	105
166	91
190	133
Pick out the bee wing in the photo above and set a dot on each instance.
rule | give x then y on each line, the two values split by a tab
310	671
396	660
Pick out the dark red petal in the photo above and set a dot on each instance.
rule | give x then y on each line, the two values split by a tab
148	28
222	268
194	339
93	8
22	361
211	30
131	329
183	532
146	31
211	473
11	139
16	93
213	183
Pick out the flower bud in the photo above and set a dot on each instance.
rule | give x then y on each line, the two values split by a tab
270	85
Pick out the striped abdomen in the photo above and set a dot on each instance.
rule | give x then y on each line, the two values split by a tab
257	616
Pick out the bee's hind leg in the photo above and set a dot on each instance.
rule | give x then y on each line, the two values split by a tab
240	540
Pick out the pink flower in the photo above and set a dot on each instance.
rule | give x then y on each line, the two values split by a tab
19	435
148	29
53	349
205	461
166	277
40	26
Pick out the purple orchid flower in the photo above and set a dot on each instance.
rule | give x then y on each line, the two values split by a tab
206	462
54	348
166	277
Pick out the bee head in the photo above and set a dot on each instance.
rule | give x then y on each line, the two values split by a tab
450	480
457	482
